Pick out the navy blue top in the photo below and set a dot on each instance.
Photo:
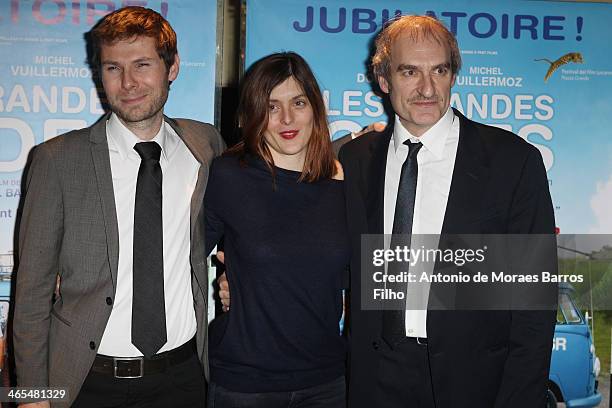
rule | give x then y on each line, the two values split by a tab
287	253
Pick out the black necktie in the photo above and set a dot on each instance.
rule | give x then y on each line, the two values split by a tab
394	321
148	306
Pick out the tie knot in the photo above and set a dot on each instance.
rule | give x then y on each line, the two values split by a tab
413	148
148	150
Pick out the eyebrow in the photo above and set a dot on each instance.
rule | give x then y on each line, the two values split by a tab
294	98
141	59
403	67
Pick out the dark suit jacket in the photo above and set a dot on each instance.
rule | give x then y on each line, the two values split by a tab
69	227
478	358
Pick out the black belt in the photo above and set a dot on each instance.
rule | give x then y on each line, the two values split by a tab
137	367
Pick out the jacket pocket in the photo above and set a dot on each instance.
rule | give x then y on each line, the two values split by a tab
60	318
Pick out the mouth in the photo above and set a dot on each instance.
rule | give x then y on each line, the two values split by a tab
425	104
289	134
133	100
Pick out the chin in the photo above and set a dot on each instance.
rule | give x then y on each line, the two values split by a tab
429	119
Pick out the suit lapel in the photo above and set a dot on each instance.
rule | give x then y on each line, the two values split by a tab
373	176
194	144
104	178
465	200
470	178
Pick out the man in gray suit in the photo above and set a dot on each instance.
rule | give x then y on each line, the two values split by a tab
116	211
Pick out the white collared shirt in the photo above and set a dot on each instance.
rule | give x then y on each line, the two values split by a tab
179	177
436	160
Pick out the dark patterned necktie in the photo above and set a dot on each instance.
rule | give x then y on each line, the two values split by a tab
148	305
394	320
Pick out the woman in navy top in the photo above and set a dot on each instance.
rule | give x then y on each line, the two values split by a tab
277	200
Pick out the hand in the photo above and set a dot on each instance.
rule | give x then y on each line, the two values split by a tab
2	352
339	171
42	404
224	293
372	127
220	257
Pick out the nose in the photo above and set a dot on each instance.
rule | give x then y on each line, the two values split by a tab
426	88
287	117
127	79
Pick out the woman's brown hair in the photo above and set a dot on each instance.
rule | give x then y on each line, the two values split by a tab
253	112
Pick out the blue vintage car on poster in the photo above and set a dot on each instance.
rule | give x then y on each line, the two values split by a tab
574	367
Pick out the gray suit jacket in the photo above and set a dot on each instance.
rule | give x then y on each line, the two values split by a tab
69	227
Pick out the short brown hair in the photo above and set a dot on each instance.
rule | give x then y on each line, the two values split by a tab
130	22
253	113
418	28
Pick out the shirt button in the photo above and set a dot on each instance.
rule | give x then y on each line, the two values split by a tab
92	345
109	301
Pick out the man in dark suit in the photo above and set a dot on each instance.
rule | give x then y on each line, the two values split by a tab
116	211
436	172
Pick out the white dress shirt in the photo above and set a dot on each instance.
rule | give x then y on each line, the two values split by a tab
179	177
436	160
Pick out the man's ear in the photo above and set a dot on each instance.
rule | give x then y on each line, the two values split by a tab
453	80
384	85
174	68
